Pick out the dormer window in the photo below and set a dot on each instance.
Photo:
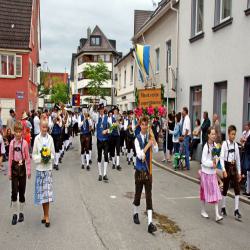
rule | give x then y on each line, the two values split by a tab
95	41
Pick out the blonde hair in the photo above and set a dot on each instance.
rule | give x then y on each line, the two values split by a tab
18	126
44	122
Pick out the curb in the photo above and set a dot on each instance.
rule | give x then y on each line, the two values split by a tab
195	180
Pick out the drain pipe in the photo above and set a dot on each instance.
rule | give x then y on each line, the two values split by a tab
177	50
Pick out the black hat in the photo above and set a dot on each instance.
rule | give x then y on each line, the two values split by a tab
124	112
101	106
110	111
116	108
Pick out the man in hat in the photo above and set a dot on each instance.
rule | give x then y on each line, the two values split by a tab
102	142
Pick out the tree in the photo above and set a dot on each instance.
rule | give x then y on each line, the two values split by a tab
59	91
42	89
98	75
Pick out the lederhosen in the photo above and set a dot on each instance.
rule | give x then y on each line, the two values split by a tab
143	178
18	176
232	174
85	136
130	140
115	141
122	136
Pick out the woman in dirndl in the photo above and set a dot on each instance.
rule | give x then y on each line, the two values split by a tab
43	184
209	188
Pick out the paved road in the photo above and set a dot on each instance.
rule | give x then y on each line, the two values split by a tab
88	214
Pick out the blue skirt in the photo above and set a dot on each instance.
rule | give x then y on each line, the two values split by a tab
43	187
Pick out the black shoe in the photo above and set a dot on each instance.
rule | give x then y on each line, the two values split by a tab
90	162
47	224
14	220
237	214
129	163
136	219
60	160
83	166
88	168
113	167
223	211
118	168
246	194
105	178
21	217
43	221
56	167
152	228
100	178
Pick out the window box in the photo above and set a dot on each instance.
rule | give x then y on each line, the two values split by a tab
223	24
196	37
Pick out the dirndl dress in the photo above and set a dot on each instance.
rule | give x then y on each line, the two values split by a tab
43	187
209	188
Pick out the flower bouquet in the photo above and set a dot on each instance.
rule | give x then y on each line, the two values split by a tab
45	155
113	127
216	154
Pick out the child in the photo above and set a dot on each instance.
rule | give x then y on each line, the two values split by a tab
43	183
209	189
19	163
143	176
230	163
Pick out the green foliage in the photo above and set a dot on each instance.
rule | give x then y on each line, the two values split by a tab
98	75
42	90
59	91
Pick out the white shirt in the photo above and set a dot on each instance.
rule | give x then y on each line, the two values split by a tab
36	122
226	156
207	160
139	152
186	125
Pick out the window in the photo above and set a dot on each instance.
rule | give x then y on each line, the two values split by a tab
125	79
195	104
107	58
169	58
248	4
220	105
157	63
95	40
19	68
225	10
197	17
131	73
7	66
246	104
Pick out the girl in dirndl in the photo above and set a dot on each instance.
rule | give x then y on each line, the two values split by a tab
43	184
209	188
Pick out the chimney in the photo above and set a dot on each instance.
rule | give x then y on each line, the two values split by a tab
88	32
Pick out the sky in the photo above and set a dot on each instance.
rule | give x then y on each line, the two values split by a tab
64	22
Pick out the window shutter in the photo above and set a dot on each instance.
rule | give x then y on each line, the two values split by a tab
217	12
19	68
193	16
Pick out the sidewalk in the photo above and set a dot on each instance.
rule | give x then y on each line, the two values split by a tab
191	175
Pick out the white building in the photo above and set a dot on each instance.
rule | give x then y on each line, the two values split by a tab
214	62
94	48
124	82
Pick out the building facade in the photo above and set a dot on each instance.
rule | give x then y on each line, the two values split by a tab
93	49
159	30
214	71
124	82
20	43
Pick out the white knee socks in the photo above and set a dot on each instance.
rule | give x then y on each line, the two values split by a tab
117	160
83	159
100	168
216	207
56	160
113	160
105	168
223	201
150	216
87	159
136	209
90	154
237	200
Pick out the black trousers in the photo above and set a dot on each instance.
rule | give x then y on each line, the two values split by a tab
194	145
114	145
102	146
232	175
122	138
131	145
18	182
143	179
57	142
75	129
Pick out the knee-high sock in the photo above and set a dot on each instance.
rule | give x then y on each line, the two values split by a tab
150	216
237	200
66	143
14	207
223	201
87	159
134	160
113	160
216	207
136	209
130	154
105	168
90	154
100	168
21	207
82	158
117	160
70	139
57	158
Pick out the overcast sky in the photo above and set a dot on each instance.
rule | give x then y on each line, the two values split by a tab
64	22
